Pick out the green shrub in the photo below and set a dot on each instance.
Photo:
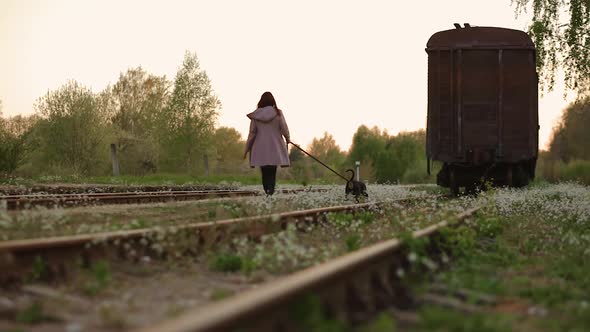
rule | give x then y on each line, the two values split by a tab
231	263
577	170
100	278
353	242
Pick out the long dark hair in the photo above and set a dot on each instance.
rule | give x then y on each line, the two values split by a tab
267	99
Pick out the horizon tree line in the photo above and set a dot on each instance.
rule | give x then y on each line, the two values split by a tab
164	126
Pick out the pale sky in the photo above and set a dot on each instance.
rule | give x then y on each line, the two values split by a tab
332	65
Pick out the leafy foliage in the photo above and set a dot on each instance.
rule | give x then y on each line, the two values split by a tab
231	263
229	147
571	138
155	124
365	147
400	154
135	105
100	278
326	150
190	117
569	148
561	42
300	166
399	158
71	132
13	137
169	127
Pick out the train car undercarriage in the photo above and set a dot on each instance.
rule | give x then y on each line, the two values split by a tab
478	177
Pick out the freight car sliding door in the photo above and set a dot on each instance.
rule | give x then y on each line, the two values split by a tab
463	103
478	89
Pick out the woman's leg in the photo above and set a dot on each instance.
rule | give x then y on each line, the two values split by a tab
269	178
265	175
272	179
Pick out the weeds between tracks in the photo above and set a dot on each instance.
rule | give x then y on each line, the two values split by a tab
528	249
272	256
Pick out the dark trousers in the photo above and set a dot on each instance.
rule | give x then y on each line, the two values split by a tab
269	178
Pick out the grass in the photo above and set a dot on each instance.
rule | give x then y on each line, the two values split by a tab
353	242
39	269
31	315
438	319
220	294
559	171
100	277
530	249
578	171
298	247
226	262
307	314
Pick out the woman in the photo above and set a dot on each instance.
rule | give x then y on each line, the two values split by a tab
265	144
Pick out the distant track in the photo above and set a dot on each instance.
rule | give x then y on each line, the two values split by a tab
17	202
45	189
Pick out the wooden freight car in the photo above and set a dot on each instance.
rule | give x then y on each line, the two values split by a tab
482	107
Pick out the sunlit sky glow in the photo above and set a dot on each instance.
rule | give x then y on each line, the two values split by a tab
332	65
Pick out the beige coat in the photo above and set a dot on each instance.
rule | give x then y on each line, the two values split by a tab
265	142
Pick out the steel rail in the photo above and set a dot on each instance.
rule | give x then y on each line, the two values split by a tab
15	202
42	244
17	256
264	308
101	194
103	188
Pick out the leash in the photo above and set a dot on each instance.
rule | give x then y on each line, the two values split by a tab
319	161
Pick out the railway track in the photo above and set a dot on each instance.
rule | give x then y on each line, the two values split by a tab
349	287
17	257
61	258
44	189
18	202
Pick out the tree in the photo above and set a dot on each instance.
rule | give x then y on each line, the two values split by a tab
402	155
326	150
139	98
135	104
229	147
366	145
14	137
300	168
561	43
190	116
570	138
15	133
70	132
2	121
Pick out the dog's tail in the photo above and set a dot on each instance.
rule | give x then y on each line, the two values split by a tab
351	174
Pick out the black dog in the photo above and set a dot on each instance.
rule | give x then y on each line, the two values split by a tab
356	188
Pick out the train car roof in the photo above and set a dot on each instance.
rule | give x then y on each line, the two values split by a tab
479	37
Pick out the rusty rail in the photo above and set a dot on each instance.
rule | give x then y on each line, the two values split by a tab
16	202
45	189
367	278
